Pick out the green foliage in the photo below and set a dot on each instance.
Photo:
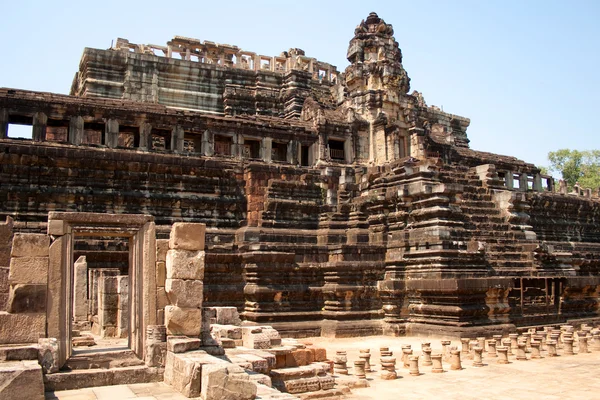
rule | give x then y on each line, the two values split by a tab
575	166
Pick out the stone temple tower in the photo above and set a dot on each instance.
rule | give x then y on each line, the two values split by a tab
376	88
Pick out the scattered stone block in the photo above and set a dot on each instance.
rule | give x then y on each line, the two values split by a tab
254	338
27	298
48	355
32	270
21	380
30	245
185	264
182	344
227	383
183	321
184	293
187	236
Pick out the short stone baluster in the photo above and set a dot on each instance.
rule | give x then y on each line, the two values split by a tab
502	354
583	344
491	346
514	345
472	345
359	369
535	349
568	346
340	361
555	337
455	363
406	354
477	352
595	343
481	342
507	343
414	365
498	339
465	347
365	355
445	344
527	338
425	344
436	360
551	347
521	347
388	368
427	357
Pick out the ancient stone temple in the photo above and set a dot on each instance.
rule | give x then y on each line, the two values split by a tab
335	204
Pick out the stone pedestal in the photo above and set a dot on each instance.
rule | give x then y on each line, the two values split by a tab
535	350
365	355
406	354
521	347
477	360
465	347
551	346
568	346
595	343
427	357
507	343
413	365
445	350
436	360
491	348
359	369
481	342
455	363
388	368
583	344
340	363
502	355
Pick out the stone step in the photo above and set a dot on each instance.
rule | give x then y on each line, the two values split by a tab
18	352
83	378
91	359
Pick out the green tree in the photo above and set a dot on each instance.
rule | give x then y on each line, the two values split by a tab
575	166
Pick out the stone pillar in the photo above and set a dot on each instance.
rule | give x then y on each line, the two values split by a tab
436	360
76	133
502	354
107	306
177	135
492	348
537	183
80	292
568	346
498	339
414	365
508	179
384	352
521	347
184	279
3	123
427	357
348	151
523	182
208	144
123	306
527	338
38	131
365	355
477	352
111	133
388	368
237	145
535	350
266	149
551	345
455	360
292	152
145	136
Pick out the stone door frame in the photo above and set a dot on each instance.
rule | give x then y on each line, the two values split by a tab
64	227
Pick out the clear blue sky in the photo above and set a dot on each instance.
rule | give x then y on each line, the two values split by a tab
525	72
